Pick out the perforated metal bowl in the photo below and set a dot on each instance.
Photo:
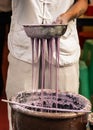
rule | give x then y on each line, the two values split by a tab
45	31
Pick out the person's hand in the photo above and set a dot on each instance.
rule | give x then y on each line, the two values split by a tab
61	19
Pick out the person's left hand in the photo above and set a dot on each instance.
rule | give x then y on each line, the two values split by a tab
61	19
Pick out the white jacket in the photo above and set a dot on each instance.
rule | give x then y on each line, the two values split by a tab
27	12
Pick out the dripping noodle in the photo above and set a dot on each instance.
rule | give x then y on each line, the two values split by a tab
49	101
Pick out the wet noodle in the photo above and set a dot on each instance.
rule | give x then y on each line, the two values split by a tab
51	43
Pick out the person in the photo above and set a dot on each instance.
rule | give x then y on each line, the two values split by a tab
5	13
29	12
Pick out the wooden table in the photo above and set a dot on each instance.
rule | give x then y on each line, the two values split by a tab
85	21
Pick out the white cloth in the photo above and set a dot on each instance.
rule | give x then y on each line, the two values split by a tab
20	77
27	13
5	5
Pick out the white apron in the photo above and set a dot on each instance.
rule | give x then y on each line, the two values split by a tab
27	12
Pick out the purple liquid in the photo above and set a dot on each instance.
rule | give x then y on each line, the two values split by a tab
64	101
50	43
45	100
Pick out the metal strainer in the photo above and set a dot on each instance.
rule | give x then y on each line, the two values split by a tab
45	31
